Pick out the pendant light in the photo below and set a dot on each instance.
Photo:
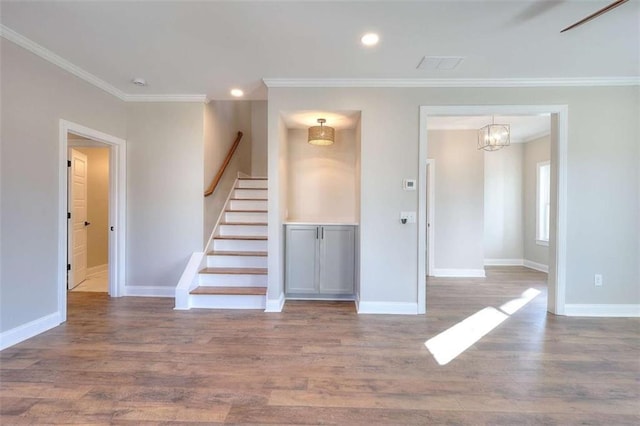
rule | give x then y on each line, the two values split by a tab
493	136
321	135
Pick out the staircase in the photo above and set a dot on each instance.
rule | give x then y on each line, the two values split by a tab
235	276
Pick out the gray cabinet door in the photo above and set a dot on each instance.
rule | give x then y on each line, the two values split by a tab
337	259
302	261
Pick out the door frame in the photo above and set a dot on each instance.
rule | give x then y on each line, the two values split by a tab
430	209
559	121
117	209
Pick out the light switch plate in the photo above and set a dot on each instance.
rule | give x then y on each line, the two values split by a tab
409	184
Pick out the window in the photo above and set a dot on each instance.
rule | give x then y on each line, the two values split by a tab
543	199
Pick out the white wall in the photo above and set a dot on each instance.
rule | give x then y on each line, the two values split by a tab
322	179
390	125
534	152
164	190
97	205
503	212
259	138
459	202
222	122
34	96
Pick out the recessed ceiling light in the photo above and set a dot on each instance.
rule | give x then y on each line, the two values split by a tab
237	93
139	81
370	39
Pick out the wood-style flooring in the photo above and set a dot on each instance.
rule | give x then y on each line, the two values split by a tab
136	361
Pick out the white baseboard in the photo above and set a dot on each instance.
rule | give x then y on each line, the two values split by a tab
589	310
28	330
275	305
97	269
397	308
503	262
459	273
534	265
149	291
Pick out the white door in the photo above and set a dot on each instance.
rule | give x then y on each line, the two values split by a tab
78	222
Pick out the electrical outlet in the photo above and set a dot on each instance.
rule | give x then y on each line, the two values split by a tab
597	280
410	217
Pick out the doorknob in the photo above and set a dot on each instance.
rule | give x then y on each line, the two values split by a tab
87	223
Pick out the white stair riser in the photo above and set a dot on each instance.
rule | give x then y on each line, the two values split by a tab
248	204
243	230
252	183
233	280
245	217
239	245
236	261
223	301
250	193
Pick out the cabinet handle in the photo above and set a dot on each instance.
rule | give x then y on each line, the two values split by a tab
322	233
317	232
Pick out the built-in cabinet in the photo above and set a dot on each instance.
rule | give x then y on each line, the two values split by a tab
320	261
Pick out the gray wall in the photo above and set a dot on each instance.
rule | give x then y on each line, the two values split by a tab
534	152
164	190
222	122
259	138
459	199
390	125
34	96
503	203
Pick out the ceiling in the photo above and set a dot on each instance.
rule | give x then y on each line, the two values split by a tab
523	128
209	47
340	120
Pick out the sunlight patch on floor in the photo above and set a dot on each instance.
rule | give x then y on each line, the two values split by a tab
446	346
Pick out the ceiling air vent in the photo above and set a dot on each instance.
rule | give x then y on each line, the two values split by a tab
433	63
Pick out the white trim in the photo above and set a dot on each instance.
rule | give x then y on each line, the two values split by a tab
275	305
459	273
29	330
426	214
394	308
454	82
535	265
503	262
188	281
562	113
542	243
149	291
117	209
97	269
589	310
166	98
55	59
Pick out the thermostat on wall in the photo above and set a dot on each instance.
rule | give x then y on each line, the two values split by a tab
409	184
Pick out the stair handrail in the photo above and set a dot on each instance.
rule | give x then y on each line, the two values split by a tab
223	167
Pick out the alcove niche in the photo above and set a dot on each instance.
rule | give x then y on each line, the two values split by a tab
322	182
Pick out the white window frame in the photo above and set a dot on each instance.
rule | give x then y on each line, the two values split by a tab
543	203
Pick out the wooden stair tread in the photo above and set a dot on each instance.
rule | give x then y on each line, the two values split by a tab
245	223
252	178
248	199
240	237
245	211
236	253
258	291
234	271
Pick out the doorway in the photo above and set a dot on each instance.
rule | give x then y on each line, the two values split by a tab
557	240
75	137
88	225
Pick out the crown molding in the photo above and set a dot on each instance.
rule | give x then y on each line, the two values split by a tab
166	98
55	59
453	82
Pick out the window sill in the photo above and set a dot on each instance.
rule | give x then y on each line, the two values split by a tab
542	243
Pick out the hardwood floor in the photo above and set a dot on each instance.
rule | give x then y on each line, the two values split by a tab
135	360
